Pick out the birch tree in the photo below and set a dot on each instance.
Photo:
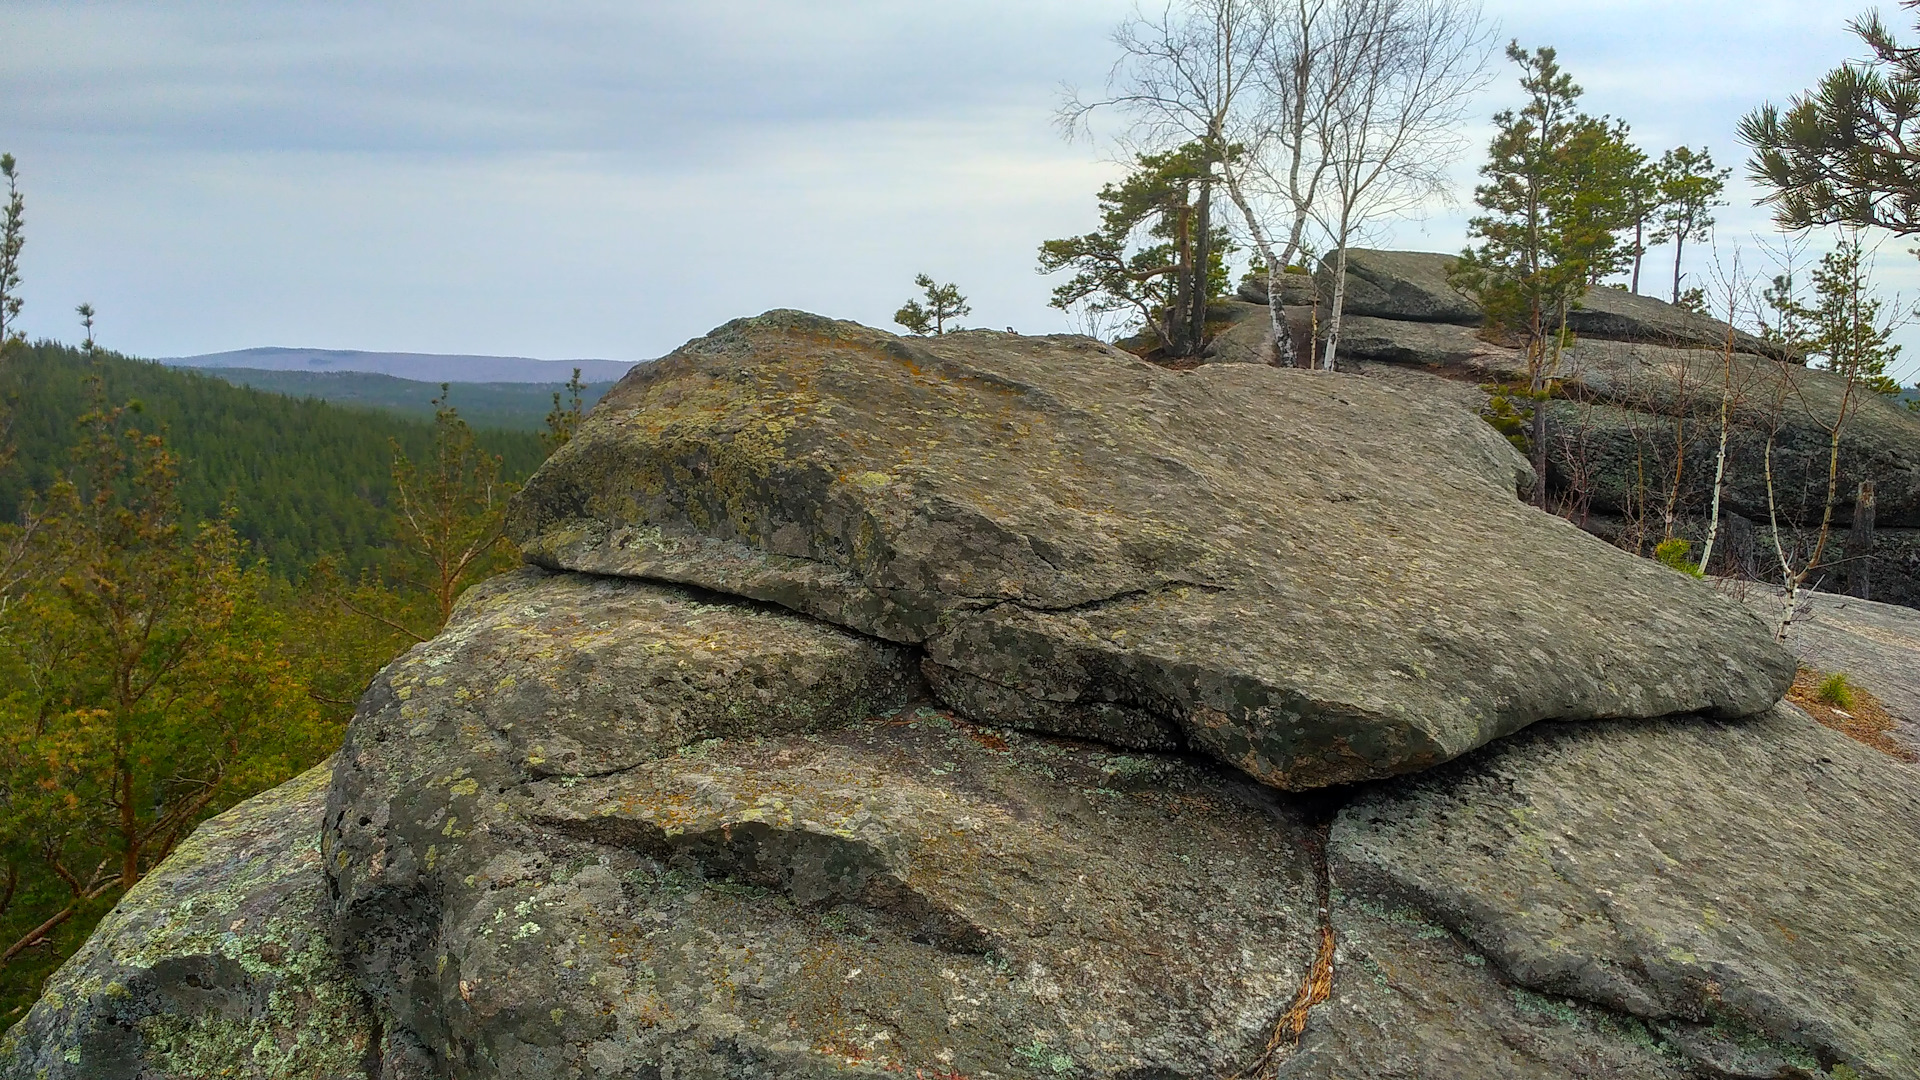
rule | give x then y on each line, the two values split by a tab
1398	91
1848	333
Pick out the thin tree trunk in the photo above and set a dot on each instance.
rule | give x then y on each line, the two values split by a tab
1339	304
1181	285
1788	577
1202	260
1860	544
1283	352
1639	251
1720	456
1679	245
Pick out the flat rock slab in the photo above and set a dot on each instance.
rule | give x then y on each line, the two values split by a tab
1310	576
1622	399
1745	887
1617	315
757	894
218	963
1410	285
1422	344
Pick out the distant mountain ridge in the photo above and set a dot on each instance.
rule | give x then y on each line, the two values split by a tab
514	406
421	367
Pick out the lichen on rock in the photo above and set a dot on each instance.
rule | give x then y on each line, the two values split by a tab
219	963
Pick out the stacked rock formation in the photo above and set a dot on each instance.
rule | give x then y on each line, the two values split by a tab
989	706
1638	424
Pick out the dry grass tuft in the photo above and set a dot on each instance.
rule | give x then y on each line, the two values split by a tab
1862	719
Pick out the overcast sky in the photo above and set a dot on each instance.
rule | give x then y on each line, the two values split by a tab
567	180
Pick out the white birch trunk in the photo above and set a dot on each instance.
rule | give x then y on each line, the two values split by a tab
1277	328
1339	305
1720	456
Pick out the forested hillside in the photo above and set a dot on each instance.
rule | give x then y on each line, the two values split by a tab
512	406
304	477
155	669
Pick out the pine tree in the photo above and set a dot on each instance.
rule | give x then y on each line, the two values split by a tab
12	240
1558	192
1842	153
449	518
944	304
563	422
1167	281
147	685
1690	188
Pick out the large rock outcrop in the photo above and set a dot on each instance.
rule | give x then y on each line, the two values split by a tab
1287	569
783	872
1639	413
219	963
850	732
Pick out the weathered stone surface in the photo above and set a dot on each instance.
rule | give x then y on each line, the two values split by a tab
1296	290
217	964
1616	428
1246	336
906	893
1285	568
1408	285
1422	344
1610	314
1412	1001
1744	887
1880	440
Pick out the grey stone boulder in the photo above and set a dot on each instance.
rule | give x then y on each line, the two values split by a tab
1285	569
1241	333
1416	344
1611	314
1404	285
218	963
1412	286
1297	289
784	872
1744	889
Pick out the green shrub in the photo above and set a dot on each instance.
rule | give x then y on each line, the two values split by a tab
1835	690
1678	554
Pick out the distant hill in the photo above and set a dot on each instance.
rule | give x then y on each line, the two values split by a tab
422	367
514	406
306	477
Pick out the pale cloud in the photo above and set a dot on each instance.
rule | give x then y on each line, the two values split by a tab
609	179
